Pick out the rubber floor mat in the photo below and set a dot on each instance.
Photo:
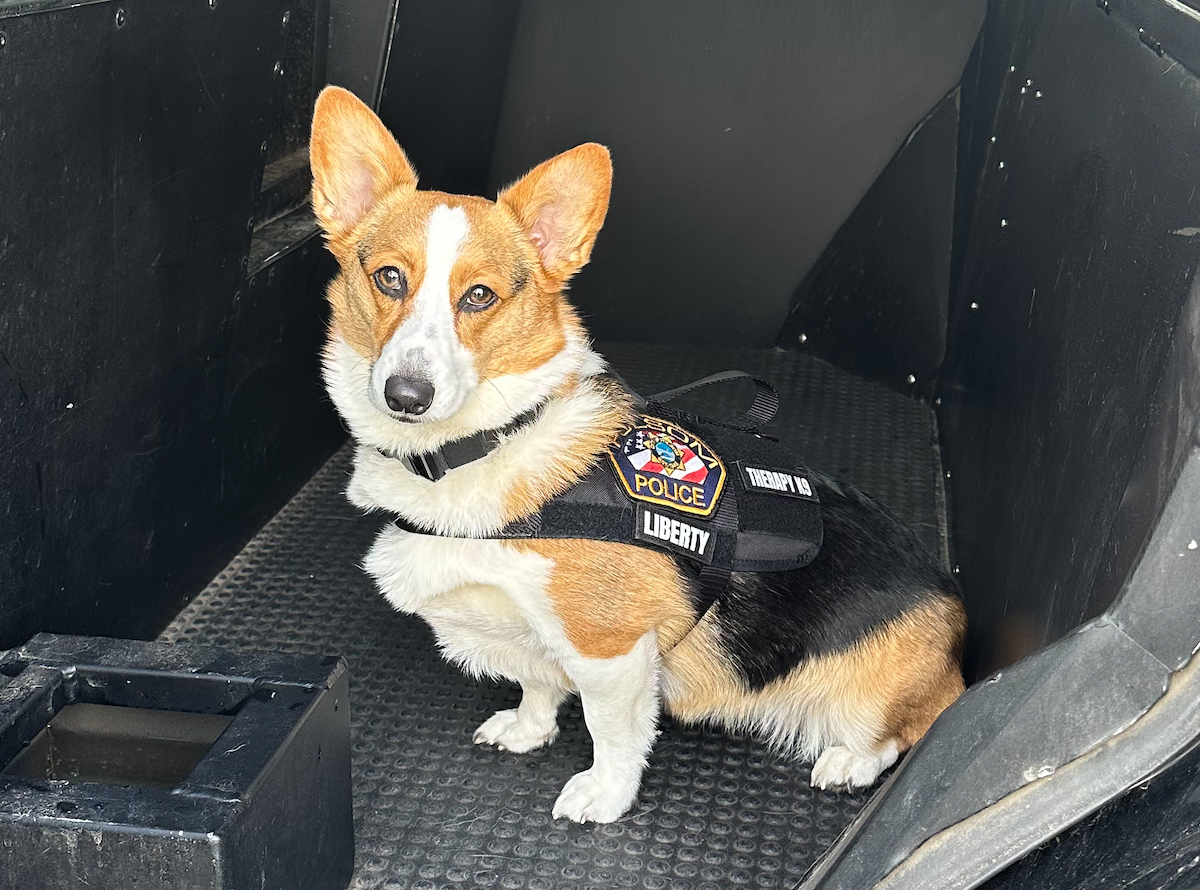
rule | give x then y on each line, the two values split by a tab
431	809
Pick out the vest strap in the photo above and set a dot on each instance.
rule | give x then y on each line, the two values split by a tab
714	578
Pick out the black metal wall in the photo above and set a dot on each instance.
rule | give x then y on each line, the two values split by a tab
743	135
1084	244
443	86
875	300
156	405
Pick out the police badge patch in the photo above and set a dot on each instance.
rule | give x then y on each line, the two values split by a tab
663	464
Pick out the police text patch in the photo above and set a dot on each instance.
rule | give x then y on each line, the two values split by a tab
676	535
775	481
661	463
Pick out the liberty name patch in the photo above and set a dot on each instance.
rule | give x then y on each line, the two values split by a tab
675	535
773	481
660	463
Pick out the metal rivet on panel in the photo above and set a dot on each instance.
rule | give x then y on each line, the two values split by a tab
974	305
911	379
1154	45
804	338
1003	223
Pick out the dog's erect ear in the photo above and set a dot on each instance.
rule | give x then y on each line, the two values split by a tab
561	205
355	162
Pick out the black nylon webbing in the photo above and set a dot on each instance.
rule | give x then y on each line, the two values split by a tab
766	399
714	578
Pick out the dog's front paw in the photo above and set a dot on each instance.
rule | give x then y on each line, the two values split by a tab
506	731
588	798
839	767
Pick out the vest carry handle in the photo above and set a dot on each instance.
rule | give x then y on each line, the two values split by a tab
763	409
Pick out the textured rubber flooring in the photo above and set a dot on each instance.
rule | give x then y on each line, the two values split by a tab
431	809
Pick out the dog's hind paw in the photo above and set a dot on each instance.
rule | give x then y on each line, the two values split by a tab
839	767
506	731
588	798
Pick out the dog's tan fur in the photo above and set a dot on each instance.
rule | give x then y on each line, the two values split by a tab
643	593
576	457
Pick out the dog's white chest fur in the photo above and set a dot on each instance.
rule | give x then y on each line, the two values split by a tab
487	604
485	601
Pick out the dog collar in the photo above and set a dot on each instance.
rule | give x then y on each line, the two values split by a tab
433	465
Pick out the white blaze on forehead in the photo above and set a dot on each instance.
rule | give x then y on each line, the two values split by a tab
426	345
444	234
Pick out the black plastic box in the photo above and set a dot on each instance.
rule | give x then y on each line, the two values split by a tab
174	767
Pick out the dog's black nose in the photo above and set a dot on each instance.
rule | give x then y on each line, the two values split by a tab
408	395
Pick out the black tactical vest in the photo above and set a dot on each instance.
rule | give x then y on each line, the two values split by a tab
721	497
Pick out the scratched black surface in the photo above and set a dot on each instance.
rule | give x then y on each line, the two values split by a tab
1082	253
155	406
433	810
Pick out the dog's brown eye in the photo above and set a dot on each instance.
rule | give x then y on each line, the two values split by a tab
477	299
391	282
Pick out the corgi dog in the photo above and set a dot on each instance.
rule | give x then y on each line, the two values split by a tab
448	318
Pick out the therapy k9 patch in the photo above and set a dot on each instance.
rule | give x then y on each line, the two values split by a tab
661	463
773	480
